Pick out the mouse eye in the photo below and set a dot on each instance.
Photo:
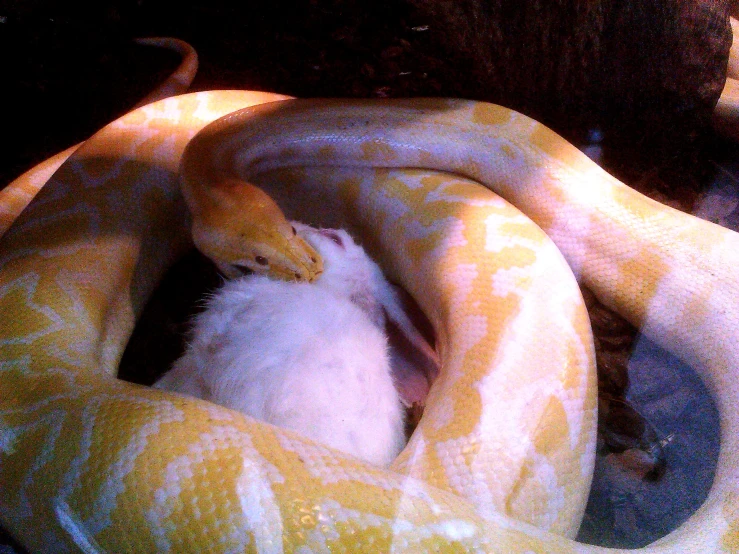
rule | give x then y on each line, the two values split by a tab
333	235
261	260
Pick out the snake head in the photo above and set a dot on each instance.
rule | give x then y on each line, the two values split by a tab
244	230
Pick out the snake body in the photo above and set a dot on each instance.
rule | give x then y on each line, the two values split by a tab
501	460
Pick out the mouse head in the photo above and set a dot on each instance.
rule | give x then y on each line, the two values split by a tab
347	270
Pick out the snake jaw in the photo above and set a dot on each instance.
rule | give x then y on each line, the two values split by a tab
304	256
257	249
289	257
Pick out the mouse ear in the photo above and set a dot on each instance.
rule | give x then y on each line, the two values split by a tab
396	311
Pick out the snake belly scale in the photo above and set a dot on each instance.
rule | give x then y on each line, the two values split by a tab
502	458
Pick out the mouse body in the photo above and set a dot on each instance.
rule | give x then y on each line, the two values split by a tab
310	357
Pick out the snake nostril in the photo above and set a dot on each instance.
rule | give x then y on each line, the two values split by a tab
313	259
298	276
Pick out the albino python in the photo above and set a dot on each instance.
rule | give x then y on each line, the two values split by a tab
502	458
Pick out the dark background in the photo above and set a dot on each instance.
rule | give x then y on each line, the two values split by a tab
646	73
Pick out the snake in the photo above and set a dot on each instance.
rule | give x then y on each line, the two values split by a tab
488	218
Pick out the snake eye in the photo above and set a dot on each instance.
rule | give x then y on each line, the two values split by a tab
261	260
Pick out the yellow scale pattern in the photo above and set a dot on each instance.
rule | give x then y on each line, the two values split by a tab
502	458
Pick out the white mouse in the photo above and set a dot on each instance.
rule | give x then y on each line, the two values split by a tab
311	357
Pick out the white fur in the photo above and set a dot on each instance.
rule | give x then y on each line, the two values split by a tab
308	357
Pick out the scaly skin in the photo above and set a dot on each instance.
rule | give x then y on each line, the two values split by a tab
501	460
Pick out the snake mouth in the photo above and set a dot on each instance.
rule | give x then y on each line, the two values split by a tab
292	274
